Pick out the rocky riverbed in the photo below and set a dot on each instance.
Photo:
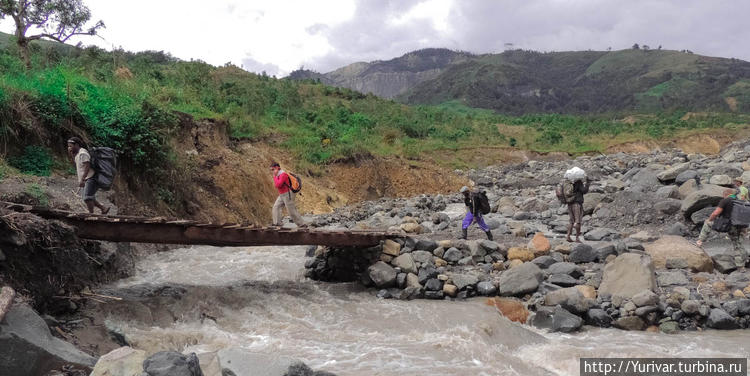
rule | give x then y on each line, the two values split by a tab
638	268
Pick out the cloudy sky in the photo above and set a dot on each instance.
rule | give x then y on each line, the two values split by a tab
278	36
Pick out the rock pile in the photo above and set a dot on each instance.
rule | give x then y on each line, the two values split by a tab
637	269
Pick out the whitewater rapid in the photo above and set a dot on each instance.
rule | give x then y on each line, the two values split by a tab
257	299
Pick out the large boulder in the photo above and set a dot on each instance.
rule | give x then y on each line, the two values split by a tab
124	361
28	348
629	323
687	188
568	268
720	319
406	263
645	180
569	298
672	247
628	275
556	319
671	174
591	201
582	253
464	280
382	274
706	195
520	280
685	176
171	363
539	244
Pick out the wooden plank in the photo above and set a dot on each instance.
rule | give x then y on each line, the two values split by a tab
6	300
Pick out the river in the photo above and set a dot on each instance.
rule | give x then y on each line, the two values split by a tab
257	299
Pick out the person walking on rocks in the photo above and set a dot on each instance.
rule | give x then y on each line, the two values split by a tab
87	185
286	198
477	205
742	192
575	184
721	221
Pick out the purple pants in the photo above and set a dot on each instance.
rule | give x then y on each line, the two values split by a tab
470	218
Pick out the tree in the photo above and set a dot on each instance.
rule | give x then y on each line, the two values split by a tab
646	47
57	20
636	47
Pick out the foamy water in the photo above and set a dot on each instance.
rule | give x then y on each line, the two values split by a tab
258	300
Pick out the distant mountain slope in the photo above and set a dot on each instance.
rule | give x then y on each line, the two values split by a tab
564	82
392	77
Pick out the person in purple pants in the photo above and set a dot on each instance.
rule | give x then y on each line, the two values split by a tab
473	214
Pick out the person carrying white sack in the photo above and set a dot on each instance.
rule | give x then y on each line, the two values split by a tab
574	185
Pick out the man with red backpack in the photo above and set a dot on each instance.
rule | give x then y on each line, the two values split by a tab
477	205
287	189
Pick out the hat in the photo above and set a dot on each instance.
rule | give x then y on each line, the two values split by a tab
739	179
464	189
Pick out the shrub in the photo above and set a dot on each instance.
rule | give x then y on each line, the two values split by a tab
35	160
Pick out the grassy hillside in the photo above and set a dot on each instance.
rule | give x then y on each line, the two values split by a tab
129	101
591	81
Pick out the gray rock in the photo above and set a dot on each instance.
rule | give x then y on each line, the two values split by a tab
645	298
702	215
672	278
520	280
677	229
401	280
564	321
672	173
645	310
461	281
544	261
669	327
599	234
563	280
628	275
171	363
241	362
452	255
685	176
707	195
569	298
591	201
723	180
598	317
719	319
645	180
486	288
490	246
604	250
422	257
724	263
426	245
690	307
434	294
28	348
629	323
382	274
582	253
426	273
668	206
568	268
433	284
669	191
406	263
677	263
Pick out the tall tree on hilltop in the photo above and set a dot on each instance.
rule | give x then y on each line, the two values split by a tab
57	20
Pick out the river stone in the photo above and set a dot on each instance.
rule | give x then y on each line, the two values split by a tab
605	250
391	248
433	284
522	254
590	202
702	215
568	268
669	327
382	274
645	298
569	298
406	263
668	206
690	307
671	173
401	280
522	279
598	317
123	361
413	281
539	244
544	262
719	319
171	363
582	253
241	362
645	310
670	246
486	288
672	278
28	348
452	255
723	180
707	195
685	176
563	280
427	272
677	263
426	245
463	280
668	191
724	263
450	290
490	246
628	275
644	180
422	257
599	234
434	295
629	323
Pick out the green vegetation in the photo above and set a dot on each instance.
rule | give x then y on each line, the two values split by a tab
130	101
38	193
35	160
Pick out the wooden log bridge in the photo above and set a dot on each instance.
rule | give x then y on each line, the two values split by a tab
165	231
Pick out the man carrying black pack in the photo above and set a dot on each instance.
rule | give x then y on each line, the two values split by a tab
474	203
721	220
86	179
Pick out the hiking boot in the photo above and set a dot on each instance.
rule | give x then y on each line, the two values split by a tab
464	234
489	235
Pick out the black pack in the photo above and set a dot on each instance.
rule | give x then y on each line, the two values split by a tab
481	202
104	163
740	213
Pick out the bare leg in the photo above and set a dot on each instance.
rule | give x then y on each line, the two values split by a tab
90	205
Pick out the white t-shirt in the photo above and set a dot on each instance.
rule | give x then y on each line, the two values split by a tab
81	158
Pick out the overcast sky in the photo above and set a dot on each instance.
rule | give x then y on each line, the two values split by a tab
279	36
